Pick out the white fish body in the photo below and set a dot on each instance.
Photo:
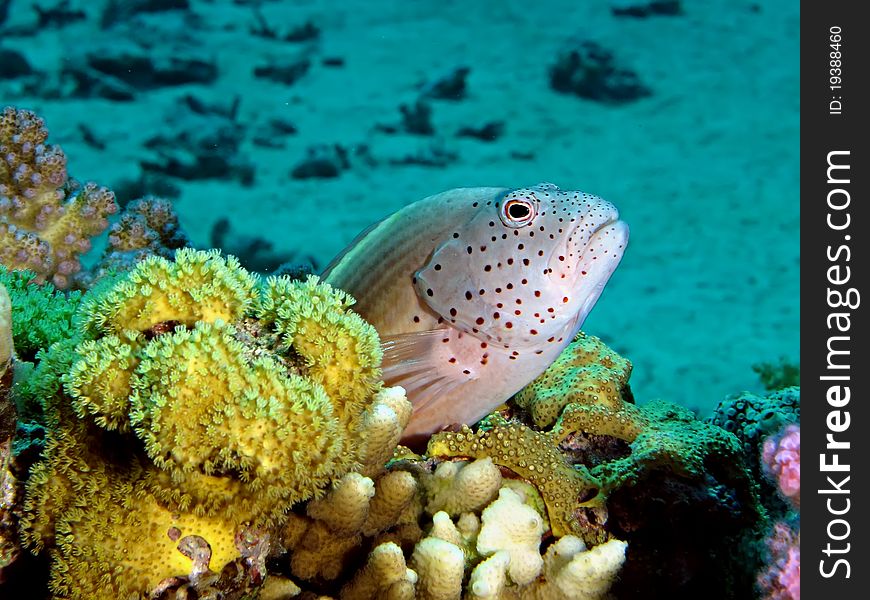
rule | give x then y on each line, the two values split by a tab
476	291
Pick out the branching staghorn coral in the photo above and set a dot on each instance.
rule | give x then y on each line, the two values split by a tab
46	219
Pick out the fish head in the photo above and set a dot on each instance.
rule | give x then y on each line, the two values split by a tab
527	267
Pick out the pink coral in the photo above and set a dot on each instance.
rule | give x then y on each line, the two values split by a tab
782	579
781	456
46	219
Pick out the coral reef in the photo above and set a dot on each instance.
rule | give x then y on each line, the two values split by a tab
41	315
7	354
781	580
753	418
197	403
146	227
9	548
591	373
236	429
781	457
207	433
649	475
46	219
7	345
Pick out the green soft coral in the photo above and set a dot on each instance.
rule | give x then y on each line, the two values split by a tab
41	315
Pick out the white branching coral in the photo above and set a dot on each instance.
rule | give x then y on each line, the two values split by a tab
573	572
385	576
345	508
440	567
459	487
383	423
511	525
489	578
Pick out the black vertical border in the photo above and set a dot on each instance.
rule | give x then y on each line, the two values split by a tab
822	133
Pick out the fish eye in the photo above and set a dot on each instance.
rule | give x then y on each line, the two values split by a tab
517	212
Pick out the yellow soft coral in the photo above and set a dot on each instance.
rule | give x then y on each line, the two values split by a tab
99	381
191	413
341	351
196	287
238	415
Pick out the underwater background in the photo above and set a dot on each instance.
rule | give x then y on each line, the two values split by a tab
281	129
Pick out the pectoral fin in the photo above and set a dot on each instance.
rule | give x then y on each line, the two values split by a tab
422	362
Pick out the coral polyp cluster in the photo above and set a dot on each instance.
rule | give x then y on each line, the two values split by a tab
46	219
197	402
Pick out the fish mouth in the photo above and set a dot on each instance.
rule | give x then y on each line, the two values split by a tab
601	255
594	251
582	243
606	243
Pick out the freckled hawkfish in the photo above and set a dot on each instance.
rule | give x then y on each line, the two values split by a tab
476	291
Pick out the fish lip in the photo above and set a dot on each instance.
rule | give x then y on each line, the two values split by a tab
614	220
620	229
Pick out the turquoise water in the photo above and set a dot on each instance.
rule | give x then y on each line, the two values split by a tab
687	122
